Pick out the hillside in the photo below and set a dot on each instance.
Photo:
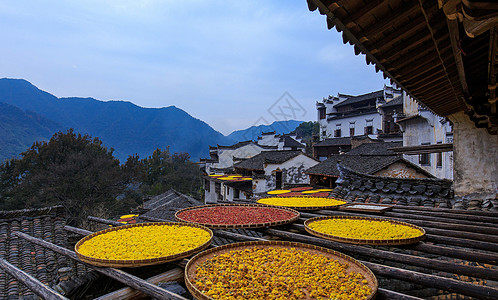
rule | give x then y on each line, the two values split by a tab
124	126
20	129
252	133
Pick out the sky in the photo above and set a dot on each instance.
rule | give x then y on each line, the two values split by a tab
232	64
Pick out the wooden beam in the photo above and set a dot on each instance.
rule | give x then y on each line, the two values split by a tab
402	13
434	148
116	274
457	54
32	283
360	13
448	213
175	274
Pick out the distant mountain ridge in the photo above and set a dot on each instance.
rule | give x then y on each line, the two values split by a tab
124	126
253	132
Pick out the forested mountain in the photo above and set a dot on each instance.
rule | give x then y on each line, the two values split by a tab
124	126
19	129
252	133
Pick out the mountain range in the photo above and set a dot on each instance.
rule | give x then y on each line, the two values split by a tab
28	114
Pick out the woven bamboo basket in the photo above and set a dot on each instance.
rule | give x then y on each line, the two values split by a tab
116	263
391	242
305	208
234	226
354	265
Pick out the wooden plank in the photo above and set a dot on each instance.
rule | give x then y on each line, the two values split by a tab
434	148
32	283
119	275
104	221
402	13
175	274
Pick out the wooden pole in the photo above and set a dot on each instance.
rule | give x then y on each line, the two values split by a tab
460	287
438	228
449	210
412	260
104	221
476	256
383	294
481	227
493	247
32	283
175	274
119	275
77	230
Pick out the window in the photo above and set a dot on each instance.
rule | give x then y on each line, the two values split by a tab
324	133
351	131
236	194
439	158
207	185
322	113
337	133
424	159
369	127
278	179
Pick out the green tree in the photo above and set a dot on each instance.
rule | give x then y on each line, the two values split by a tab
71	169
163	171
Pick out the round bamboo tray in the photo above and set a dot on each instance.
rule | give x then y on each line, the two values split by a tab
354	265
117	263
311	207
391	242
234	226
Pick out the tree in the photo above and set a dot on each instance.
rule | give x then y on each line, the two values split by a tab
72	170
163	171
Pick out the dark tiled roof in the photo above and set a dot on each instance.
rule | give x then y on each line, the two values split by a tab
364	164
361	98
290	142
398	101
375	148
165	205
237	145
342	141
44	223
275	157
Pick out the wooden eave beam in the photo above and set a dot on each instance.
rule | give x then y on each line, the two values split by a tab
457	54
409	29
372	5
402	13
421	54
349	36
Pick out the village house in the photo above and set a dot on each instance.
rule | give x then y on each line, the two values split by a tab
281	141
349	116
275	169
427	138
222	158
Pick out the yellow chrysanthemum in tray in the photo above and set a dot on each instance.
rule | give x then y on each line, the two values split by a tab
302	202
277	192
151	242
361	230
269	272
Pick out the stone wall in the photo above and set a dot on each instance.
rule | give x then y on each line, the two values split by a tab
475	160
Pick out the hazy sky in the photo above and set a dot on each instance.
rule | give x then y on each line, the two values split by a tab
224	62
